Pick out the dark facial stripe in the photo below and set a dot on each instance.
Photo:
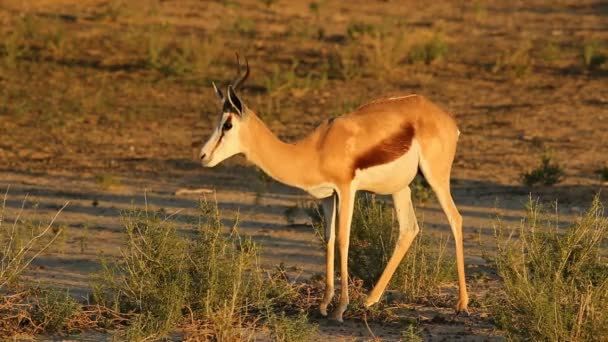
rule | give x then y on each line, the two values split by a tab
229	119
387	150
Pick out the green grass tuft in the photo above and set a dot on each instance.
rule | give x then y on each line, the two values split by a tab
428	52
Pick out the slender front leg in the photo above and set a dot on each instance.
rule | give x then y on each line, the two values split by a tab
329	213
408	229
345	212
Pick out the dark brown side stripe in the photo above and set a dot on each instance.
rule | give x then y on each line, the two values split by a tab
387	150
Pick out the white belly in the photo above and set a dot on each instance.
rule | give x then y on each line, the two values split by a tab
322	190
391	177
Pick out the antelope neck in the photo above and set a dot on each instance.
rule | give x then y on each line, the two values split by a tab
291	164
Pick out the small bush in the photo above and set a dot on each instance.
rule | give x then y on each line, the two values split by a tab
175	56
290	328
244	27
516	62
346	63
555	280
551	52
151	279
385	51
548	173
412	333
225	271
358	29
106	181
421	190
21	243
54	310
603	173
17	44
429	51
211	278
593	56
423	269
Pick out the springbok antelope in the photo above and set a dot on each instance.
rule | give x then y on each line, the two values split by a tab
379	148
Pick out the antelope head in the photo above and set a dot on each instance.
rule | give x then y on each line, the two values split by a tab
225	141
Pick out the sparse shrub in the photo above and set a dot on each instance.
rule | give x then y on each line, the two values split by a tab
106	181
151	279
516	62
268	3
290	214
345	63
385	50
412	333
204	52
113	9
21	243
56	41
548	173
27	310
175	55
593	56
294	80
555	280
244	27
378	48
54	309
424	268
358	29
13	49
314	210
213	278
421	190
479	10
155	46
291	328
428	52
603	173
224	271
16	45
550	52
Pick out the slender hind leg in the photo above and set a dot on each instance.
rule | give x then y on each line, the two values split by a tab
436	157
329	213
438	177
408	229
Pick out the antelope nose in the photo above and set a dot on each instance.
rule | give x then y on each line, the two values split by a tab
202	156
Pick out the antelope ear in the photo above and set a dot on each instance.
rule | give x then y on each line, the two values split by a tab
218	92
235	102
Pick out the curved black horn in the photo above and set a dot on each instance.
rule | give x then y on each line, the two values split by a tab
240	79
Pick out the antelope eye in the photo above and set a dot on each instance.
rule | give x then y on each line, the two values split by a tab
227	125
